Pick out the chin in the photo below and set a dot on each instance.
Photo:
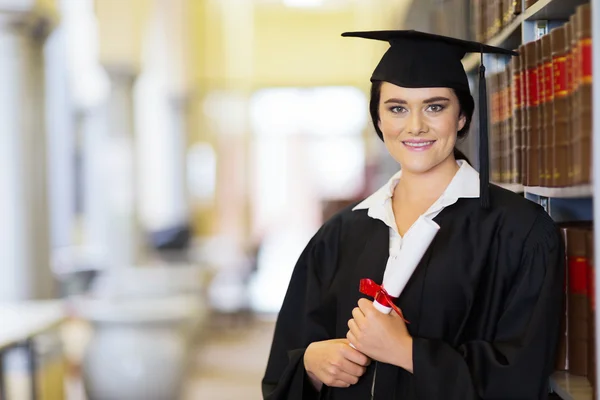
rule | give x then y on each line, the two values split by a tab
418	167
418	164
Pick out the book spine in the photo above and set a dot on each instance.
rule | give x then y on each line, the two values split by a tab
560	139
517	107
562	350
493	128
525	50
546	137
592	308
572	79
508	131
533	121
583	95
578	301
501	128
561	132
518	7
529	3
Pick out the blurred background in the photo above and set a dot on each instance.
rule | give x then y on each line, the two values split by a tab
162	165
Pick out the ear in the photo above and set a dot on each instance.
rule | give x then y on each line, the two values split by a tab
462	120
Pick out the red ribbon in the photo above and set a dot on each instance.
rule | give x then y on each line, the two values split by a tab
370	288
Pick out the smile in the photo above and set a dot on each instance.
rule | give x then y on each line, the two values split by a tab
420	145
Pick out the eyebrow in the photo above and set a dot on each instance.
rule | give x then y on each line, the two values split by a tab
428	101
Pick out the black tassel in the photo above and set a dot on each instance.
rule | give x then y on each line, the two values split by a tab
484	163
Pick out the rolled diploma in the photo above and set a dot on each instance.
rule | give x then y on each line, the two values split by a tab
400	267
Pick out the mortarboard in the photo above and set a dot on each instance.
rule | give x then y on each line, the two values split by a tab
418	59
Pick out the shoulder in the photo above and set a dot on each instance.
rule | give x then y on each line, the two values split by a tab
348	223
513	207
522	218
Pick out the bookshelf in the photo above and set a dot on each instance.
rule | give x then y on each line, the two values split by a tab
513	187
571	203
579	191
570	387
563	203
511	36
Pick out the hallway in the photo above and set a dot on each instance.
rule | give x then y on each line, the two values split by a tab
231	363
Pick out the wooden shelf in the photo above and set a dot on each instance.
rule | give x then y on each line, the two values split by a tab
552	9
571	387
513	187
510	36
580	191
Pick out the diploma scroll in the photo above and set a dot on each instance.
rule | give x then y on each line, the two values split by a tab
402	263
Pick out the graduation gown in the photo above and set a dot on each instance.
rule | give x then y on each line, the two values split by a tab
484	305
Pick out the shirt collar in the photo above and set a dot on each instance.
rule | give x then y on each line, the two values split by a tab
465	184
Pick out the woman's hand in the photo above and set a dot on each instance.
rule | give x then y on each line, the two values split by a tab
334	363
382	337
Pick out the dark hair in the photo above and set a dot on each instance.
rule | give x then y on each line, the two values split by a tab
465	100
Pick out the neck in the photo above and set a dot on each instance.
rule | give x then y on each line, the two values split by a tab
427	186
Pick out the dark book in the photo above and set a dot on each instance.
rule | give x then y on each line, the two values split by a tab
507	121
517	111
533	62
562	349
578	303
572	56
561	137
547	98
582	96
477	20
494	128
524	49
502	164
517	7
529	3
592	309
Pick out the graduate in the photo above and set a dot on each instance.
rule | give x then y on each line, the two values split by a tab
478	318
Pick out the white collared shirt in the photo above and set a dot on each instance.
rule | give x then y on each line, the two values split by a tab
465	184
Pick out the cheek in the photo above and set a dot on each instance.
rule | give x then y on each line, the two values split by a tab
446	127
390	126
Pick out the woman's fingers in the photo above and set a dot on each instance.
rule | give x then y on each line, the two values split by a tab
356	356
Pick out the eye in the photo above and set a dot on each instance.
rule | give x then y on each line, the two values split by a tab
435	108
397	109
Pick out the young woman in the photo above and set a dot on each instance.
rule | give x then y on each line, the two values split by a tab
483	305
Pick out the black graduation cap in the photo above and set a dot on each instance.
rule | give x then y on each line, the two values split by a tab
418	59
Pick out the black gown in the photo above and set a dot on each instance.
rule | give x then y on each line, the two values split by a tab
484	305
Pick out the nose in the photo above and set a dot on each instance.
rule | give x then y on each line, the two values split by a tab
416	125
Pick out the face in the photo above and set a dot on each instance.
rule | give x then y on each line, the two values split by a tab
419	125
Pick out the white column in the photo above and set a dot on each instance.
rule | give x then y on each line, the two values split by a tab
179	204
124	240
96	231
61	143
24	229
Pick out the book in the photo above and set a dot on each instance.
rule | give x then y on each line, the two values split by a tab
493	84
546	97
523	50
529	3
562	348
560	134
578	303
507	122
533	62
572	57
592	308
517	110
582	96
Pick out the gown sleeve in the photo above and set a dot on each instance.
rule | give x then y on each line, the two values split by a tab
516	364
301	319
